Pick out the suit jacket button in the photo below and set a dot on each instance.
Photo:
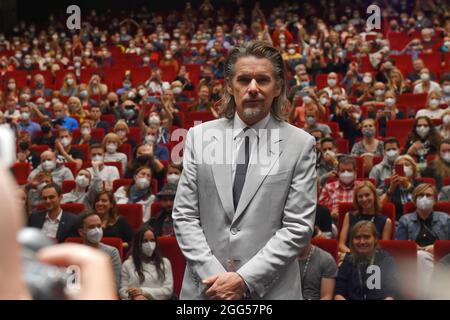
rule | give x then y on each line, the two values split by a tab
234	231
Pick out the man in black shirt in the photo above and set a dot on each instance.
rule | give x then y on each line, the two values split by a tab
162	223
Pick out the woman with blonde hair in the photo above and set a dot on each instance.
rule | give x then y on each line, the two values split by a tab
96	87
432	109
111	142
390	111
367	204
122	130
76	109
397	83
445	128
69	87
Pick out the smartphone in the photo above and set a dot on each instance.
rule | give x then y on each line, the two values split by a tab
399	170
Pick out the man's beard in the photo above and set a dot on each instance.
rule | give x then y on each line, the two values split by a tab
251	113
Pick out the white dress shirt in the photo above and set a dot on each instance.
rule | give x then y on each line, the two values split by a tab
50	227
239	137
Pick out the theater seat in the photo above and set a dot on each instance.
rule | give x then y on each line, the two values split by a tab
110	241
67	186
328	245
73	207
442	206
441	249
133	213
120	183
170	249
21	171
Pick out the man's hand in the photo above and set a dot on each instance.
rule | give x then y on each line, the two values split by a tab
225	286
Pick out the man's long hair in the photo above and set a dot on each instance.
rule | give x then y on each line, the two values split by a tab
260	50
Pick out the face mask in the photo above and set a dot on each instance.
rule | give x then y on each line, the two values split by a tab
422	131
142	183
131	95
446	89
142	92
434	103
368	132
307	99
446	119
173	178
111	147
150	139
121	133
48	165
408	171
425	76
346	177
425	203
390	102
154	120
446	156
25	116
94	235
379	92
169	56
312	42
65	142
311	121
85	131
11	86
392	155
291	51
148	248
82	181
129	113
367	80
83	94
331	82
69	81
323	100
356	115
97	158
177	90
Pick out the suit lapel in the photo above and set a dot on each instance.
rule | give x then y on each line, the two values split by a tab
222	174
259	168
61	226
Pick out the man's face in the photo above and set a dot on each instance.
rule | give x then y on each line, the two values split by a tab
95	113
50	198
97	152
328	146
346	167
390	146
254	88
204	93
90	222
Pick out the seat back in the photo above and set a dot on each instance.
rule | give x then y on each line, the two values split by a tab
329	245
170	249
110	241
133	213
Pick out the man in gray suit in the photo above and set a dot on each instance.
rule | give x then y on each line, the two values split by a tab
245	204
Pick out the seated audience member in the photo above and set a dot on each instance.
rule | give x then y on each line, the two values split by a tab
54	222
25	122
439	168
113	225
397	82
140	191
46	137
76	110
62	120
445	127
161	152
432	109
369	143
143	156
107	173
390	112
423	140
48	164
352	281
367	204
348	117
401	185
341	190
424	226
327	160
34	187
86	187
70	87
89	228
86	134
146	275
63	148
161	222
425	84
96	115
122	130
174	173
318	271
111	143
313	122
25	155
323	225
385	168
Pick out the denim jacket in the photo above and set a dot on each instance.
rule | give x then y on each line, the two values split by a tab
409	226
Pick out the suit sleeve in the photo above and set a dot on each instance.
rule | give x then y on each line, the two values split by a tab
297	225
186	218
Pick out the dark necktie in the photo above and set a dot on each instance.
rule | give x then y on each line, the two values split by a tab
241	169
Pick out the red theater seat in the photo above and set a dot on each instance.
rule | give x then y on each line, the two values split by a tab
329	245
110	241
132	212
170	249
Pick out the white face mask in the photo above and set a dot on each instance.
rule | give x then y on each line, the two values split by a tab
173	178
425	203
142	92
446	156
94	235
85	131
379	92
434	103
389	102
291	51
70	81
391	155
307	99
347	177
142	183
367	80
323	100
343	103
150	139
408	171
97	158
154	120
121	133
331	82
425	76
65	142
446	119
177	90
422	131
446	89
82	181
111	147
25	116
148	248
48	165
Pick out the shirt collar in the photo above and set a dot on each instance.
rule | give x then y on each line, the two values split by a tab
239	125
58	219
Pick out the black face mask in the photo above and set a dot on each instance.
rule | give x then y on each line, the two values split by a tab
23	145
45	129
142	160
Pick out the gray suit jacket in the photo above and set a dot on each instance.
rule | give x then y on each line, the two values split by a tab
273	221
